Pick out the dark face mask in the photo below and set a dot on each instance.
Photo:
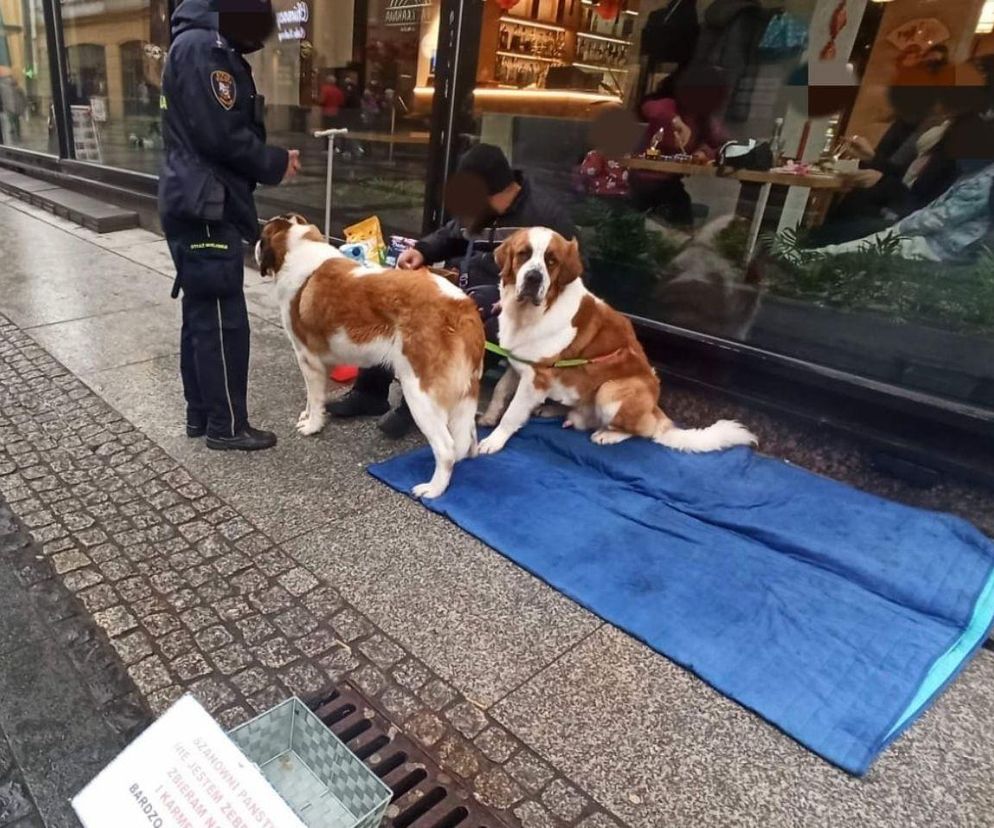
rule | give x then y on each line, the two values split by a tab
247	24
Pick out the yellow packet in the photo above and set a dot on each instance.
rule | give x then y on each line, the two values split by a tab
369	233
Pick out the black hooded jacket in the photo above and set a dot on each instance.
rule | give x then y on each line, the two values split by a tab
451	242
212	126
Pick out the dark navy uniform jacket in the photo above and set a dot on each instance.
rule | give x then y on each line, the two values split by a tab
212	126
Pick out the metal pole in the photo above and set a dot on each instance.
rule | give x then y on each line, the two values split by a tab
393	126
330	135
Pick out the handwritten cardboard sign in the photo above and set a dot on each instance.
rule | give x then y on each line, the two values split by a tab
183	772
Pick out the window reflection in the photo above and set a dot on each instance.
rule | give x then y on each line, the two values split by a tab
367	67
25	88
114	59
810	176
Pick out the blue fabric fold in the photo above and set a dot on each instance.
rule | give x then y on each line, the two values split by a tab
835	615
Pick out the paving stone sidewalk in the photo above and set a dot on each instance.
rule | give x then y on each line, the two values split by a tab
194	598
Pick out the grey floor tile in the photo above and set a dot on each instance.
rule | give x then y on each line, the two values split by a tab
125	238
262	302
154	255
44	215
111	340
658	747
478	620
304	483
54	276
149	394
296	487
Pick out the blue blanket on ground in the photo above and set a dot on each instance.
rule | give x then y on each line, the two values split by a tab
835	615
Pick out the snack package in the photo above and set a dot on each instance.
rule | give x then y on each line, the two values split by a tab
398	244
369	234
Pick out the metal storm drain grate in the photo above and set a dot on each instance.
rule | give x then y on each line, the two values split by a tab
423	795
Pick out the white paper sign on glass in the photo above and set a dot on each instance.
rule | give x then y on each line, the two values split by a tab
183	772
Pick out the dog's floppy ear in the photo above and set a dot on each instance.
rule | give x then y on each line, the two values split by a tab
272	246
505	257
267	259
571	268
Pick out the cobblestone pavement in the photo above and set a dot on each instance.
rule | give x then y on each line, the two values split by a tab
194	598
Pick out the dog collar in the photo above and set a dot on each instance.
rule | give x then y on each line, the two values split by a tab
561	363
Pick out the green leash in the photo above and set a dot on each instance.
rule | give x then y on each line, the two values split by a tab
562	363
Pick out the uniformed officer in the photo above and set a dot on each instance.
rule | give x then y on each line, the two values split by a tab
215	154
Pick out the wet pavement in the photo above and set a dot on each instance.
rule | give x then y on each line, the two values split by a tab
66	705
242	579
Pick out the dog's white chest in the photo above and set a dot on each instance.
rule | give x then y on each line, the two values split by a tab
541	337
562	393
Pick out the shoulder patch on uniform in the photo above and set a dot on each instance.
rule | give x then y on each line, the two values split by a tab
223	87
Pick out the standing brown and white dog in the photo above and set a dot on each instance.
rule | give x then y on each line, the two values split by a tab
547	315
336	311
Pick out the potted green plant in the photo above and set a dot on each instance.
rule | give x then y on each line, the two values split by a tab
624	256
876	278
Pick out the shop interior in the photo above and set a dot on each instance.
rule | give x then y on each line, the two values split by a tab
831	252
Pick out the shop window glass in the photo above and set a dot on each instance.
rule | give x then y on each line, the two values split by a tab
869	245
366	66
25	87
114	58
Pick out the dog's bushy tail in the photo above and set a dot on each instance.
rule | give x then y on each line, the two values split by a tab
722	435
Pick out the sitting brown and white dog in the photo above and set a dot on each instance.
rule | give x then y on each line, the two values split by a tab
338	312
547	315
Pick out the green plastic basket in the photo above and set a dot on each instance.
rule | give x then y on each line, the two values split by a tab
324	783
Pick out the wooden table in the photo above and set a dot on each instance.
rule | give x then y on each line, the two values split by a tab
822	182
394	138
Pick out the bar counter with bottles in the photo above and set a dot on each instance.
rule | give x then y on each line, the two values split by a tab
557	58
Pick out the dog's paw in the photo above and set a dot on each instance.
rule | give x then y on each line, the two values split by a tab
493	444
608	437
487	419
576	419
312	425
304	417
428	491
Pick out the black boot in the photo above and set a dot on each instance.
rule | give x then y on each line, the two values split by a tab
248	439
358	403
398	423
369	397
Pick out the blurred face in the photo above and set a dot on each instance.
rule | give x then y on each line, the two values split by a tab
467	199
615	131
246	23
701	101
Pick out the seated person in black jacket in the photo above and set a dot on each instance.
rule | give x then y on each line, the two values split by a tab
908	169
491	202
